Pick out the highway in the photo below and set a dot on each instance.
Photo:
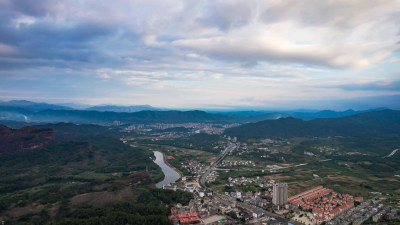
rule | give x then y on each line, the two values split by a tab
230	200
227	150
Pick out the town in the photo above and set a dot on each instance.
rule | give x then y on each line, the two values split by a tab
270	203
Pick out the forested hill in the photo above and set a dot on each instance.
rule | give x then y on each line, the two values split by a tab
85	176
375	123
24	139
75	132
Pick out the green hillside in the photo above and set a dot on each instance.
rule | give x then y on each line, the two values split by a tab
371	124
85	176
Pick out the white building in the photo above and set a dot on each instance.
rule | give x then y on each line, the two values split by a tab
238	194
258	214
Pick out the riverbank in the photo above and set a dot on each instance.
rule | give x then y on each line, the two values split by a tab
171	174
173	167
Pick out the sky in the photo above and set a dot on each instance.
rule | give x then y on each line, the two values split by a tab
250	54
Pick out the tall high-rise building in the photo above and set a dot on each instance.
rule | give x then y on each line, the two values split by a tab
280	194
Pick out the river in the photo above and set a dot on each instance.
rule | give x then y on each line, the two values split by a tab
170	174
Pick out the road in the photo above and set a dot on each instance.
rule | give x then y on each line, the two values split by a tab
227	150
303	164
230	200
392	153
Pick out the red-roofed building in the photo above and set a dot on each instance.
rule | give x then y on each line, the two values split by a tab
359	199
325	203
185	218
188	218
174	211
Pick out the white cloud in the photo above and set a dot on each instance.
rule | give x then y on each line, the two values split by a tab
394	60
348	36
178	52
339	34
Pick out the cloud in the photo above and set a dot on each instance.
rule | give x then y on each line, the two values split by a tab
276	50
373	86
38	8
394	60
207	51
227	15
342	34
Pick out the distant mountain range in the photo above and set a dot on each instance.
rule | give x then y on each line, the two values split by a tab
32	105
325	114
114	108
368	124
70	106
255	116
85	116
32	112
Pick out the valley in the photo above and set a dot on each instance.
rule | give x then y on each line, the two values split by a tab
88	167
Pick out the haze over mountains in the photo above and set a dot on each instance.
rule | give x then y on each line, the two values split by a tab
115	108
32	112
71	106
32	105
258	124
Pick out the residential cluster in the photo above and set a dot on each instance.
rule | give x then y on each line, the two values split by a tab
326	149
196	127
259	198
324	203
366	210
264	147
277	192
183	218
194	167
242	150
213	209
260	181
210	207
202	209
212	177
226	163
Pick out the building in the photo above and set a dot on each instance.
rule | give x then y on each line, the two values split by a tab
323	202
183	218
280	194
359	199
258	214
